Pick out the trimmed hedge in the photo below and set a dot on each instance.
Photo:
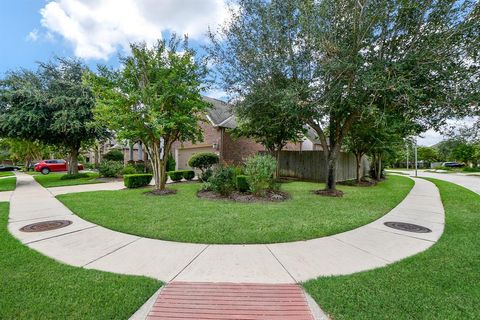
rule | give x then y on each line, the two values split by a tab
175	175
137	180
188	174
242	183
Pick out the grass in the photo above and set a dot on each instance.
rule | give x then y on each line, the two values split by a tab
184	217
8	184
55	180
440	283
6	174
33	286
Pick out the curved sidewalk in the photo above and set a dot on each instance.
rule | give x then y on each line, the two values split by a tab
91	246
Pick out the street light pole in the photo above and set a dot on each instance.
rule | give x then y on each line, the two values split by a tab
416	160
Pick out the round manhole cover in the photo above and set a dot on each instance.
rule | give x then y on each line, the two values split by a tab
46	225
410	227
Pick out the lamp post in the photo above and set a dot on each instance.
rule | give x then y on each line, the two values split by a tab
416	160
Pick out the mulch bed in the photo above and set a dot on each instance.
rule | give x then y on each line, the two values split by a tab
329	193
365	182
270	196
164	192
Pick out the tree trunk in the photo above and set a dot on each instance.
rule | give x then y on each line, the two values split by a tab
358	158
73	161
331	183
158	166
277	169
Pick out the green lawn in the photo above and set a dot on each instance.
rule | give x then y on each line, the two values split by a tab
8	184
184	217
54	180
6	174
440	283
33	286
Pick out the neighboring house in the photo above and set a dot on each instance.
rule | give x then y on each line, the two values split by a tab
216	138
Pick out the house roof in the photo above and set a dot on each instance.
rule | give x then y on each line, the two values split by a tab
220	113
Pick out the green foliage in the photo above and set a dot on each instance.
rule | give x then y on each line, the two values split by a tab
129	169
170	163
346	59
137	180
188	174
203	160
176	175
51	105
110	169
221	181
114	155
155	97
260	171
74	176
205	176
242	183
428	154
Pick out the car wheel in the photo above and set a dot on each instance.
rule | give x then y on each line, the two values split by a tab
45	171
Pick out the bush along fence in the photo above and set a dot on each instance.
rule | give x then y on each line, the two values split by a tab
310	165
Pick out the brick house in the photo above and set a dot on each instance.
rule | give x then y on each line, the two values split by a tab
216	138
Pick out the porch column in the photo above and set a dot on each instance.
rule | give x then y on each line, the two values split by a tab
131	151
140	151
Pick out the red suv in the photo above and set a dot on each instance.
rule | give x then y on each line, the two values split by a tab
45	166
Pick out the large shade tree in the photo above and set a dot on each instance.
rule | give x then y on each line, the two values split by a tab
354	57
50	105
154	97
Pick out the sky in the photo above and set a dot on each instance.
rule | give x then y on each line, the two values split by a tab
99	30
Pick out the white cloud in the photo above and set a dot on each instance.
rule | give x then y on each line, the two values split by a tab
33	35
97	28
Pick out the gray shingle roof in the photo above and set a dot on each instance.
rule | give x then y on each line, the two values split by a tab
220	111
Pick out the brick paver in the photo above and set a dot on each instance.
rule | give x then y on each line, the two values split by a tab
214	301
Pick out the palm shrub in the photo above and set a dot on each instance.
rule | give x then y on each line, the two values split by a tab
260	170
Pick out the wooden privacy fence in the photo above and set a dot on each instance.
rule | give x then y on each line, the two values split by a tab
310	165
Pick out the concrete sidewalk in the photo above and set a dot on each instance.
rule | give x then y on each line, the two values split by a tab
87	245
471	182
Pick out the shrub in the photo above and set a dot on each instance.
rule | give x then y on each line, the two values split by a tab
74	176
137	180
175	175
110	169
260	169
205	176
222	181
171	163
203	161
242	183
129	169
113	155
188	174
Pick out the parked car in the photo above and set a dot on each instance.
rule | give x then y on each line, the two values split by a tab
47	166
6	167
453	164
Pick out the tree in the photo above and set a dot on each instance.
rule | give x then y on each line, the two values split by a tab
428	154
269	115
26	151
351	57
50	105
155	97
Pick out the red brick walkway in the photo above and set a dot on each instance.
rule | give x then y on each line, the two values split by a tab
214	301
